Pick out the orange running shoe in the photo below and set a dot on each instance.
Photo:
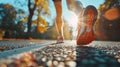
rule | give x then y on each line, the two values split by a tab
60	39
85	31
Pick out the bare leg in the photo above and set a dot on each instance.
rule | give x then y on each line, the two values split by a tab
58	20
85	28
71	4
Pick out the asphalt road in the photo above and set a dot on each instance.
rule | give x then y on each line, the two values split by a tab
68	54
13	47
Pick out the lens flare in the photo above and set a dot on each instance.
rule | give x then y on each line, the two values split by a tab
72	20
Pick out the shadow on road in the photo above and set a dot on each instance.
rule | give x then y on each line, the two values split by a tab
92	57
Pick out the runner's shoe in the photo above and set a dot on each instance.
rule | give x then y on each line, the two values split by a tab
85	31
60	39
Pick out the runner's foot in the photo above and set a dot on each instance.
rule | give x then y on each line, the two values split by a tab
60	39
87	36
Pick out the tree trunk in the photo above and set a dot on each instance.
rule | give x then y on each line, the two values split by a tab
31	13
29	26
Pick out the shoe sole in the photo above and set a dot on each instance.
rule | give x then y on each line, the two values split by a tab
87	36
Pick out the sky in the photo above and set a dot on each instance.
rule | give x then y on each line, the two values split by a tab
95	3
85	3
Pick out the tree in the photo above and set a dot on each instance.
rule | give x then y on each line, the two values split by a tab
107	26
40	6
12	20
108	4
20	27
7	18
8	15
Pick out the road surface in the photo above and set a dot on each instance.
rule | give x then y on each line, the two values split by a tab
68	54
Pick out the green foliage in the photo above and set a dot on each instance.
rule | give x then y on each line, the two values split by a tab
8	15
11	21
14	21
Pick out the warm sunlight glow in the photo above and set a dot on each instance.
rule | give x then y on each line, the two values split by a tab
72	20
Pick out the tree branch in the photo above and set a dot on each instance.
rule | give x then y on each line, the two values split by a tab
29	5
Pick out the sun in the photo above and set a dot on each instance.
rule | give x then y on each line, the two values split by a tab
72	21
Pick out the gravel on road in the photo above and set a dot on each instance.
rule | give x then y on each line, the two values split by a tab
68	54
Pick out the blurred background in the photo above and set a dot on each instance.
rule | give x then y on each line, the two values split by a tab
32	19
